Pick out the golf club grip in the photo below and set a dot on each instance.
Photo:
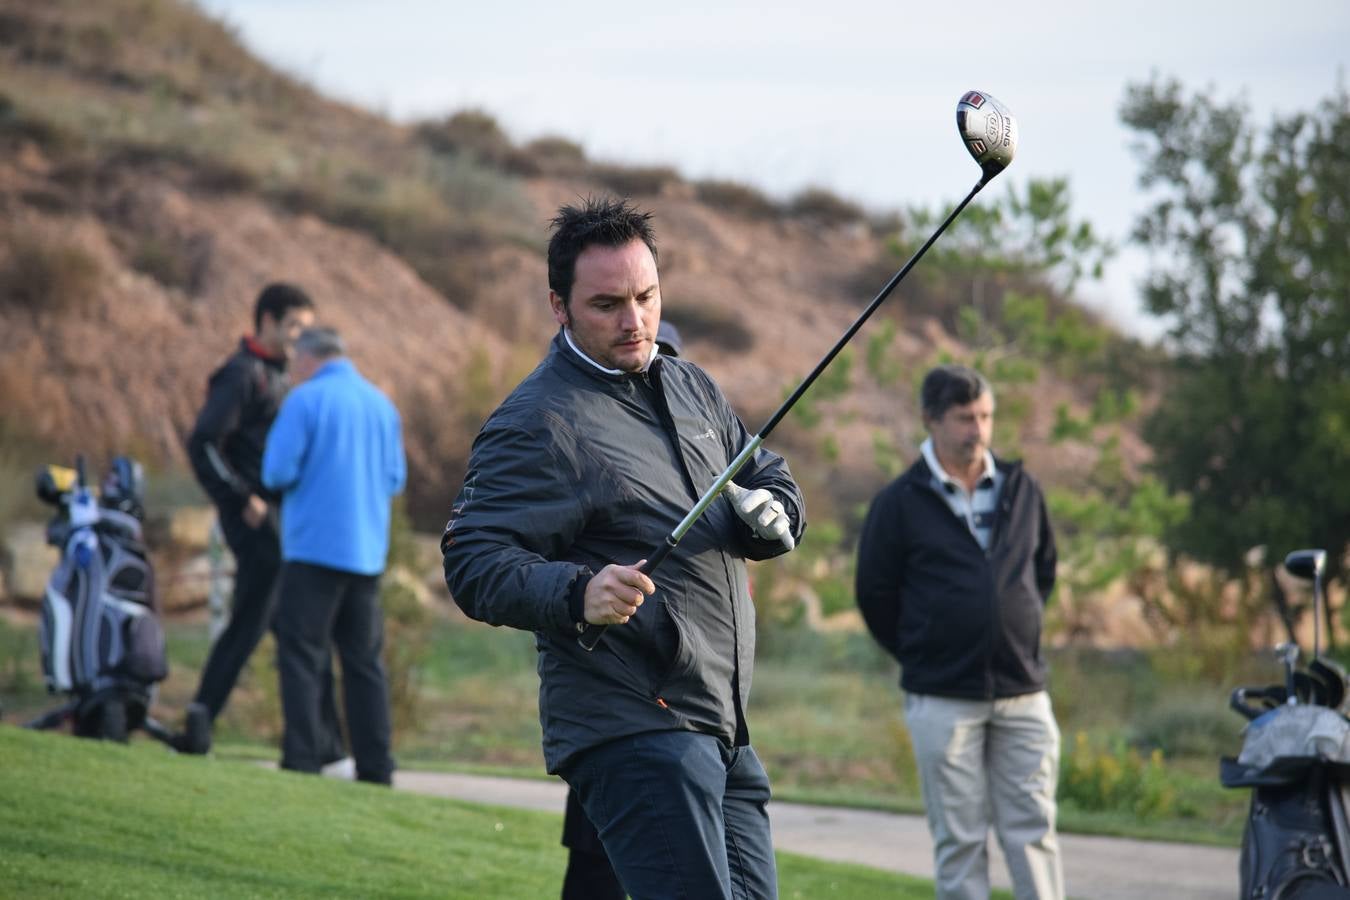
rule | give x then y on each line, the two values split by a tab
590	636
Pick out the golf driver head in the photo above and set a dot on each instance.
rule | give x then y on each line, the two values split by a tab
988	130
1306	563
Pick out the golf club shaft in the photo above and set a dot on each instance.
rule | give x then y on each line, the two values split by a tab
591	635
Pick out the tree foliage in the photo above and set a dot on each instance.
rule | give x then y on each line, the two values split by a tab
1249	234
1028	232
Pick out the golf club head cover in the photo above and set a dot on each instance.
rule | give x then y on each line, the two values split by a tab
765	515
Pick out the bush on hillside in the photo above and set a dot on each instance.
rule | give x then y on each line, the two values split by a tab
635	181
474	133
718	325
46	273
825	207
175	261
737	199
553	155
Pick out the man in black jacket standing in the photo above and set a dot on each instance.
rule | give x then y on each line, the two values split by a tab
955	565
582	471
590	876
226	450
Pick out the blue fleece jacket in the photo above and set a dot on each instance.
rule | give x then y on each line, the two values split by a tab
335	454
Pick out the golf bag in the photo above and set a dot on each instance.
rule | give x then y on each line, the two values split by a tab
1295	759
100	636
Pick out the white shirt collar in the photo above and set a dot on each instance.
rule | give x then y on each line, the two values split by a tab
567	333
930	457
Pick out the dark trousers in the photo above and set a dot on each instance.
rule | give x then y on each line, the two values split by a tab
589	875
319	608
681	815
257	561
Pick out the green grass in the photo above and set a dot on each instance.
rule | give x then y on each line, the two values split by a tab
825	717
87	819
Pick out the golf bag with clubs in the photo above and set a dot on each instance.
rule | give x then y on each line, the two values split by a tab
100	636
1295	759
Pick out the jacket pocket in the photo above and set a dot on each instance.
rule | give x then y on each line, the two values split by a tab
679	658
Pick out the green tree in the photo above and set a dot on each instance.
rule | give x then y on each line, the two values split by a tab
1029	232
1249	233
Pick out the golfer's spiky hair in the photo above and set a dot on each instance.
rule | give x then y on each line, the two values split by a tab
598	220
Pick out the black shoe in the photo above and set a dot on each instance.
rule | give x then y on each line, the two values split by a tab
196	735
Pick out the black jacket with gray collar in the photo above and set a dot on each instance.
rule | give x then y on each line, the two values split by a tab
578	469
962	622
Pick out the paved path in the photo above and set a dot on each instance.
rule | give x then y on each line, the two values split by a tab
1096	868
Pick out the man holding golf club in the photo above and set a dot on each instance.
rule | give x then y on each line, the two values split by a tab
573	483
955	564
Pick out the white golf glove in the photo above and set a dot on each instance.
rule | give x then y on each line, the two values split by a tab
765	515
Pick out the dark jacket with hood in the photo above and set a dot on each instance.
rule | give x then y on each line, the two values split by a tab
226	444
578	469
962	622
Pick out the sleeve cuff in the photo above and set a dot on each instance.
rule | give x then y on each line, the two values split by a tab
576	598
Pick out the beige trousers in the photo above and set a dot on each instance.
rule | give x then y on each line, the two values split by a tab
982	764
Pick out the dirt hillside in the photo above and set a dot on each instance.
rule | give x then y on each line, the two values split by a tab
154	176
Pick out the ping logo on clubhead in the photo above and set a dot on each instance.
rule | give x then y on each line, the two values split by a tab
996	129
975	99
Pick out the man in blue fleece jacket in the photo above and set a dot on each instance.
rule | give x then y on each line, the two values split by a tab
335	454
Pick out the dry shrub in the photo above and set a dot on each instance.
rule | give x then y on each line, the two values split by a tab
554	155
718	325
174	260
635	181
825	207
17	125
470	131
46	273
738	199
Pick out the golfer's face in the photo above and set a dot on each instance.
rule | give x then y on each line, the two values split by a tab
615	307
279	336
963	433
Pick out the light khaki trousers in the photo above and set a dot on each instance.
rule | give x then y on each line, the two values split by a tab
982	764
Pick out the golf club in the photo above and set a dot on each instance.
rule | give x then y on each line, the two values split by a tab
1310	564
1329	676
990	134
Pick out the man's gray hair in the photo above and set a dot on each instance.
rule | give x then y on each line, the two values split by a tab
321	343
951	385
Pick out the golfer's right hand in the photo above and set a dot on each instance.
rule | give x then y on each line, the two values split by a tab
615	593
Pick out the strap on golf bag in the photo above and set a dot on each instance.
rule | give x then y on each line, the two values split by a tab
1288	847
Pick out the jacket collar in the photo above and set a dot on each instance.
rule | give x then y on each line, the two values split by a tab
249	344
950	484
337	366
566	348
920	474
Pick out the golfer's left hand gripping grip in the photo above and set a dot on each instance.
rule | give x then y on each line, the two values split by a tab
590	636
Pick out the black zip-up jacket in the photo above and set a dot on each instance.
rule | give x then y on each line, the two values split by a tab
226	445
578	469
961	622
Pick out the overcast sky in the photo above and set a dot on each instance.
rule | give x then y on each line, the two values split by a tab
856	96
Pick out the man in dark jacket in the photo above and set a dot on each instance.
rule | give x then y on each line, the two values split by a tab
582	471
226	451
590	876
955	564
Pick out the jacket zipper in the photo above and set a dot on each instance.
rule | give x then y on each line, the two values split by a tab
1002	509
